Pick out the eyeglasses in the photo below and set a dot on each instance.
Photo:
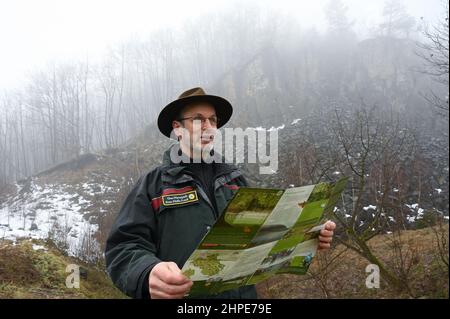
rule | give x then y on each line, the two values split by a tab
213	120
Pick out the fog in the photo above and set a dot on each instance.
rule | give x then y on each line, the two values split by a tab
349	88
78	77
35	33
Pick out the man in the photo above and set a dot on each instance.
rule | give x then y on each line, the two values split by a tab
172	207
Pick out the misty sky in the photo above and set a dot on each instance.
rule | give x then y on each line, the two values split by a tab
36	32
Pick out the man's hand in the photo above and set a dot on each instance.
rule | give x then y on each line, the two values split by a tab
166	281
326	235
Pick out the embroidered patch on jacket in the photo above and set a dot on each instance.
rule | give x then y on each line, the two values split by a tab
157	202
179	199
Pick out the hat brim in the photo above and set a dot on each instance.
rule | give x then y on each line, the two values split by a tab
223	108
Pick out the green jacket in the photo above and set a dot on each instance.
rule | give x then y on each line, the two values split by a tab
164	218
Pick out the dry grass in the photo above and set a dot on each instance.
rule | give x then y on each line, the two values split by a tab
340	273
41	274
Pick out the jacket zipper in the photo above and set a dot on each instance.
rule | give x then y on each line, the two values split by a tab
203	193
206	198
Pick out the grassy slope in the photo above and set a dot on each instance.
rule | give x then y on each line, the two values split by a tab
26	273
41	274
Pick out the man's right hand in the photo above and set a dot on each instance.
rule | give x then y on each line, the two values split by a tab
166	281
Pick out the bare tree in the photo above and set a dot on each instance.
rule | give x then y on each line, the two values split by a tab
396	21
434	53
371	148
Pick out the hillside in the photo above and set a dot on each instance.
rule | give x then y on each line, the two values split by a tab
345	274
37	269
32	269
75	203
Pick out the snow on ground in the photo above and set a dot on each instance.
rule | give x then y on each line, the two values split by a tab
260	128
411	219
412	206
38	247
370	207
273	128
94	188
50	212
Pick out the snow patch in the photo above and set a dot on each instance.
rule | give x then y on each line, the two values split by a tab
412	206
50	211
276	128
38	247
411	219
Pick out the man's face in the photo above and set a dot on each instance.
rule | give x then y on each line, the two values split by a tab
200	121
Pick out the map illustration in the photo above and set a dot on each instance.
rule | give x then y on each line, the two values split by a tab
261	233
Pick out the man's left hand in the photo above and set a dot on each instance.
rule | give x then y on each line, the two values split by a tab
326	235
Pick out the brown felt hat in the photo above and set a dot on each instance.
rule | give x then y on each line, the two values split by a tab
172	110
